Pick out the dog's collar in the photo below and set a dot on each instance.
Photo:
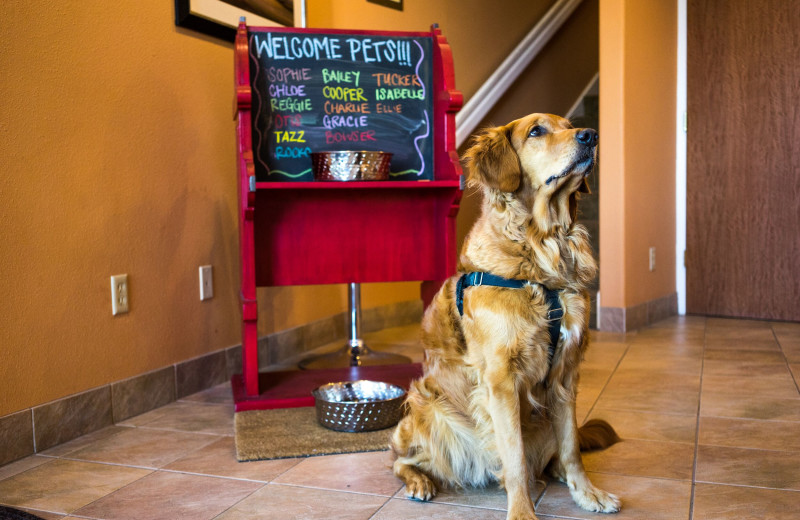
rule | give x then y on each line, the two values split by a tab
555	311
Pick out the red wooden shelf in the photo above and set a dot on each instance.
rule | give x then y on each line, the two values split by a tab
350	185
300	233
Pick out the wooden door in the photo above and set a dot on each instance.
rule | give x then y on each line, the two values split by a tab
743	159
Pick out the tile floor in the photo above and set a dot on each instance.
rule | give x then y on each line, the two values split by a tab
709	410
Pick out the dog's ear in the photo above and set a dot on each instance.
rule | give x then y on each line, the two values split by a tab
492	160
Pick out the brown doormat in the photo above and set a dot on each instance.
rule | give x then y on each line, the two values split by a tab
295	432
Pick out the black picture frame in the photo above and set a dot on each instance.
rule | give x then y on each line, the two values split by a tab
394	4
201	17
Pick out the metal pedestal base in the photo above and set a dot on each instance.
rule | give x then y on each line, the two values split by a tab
355	353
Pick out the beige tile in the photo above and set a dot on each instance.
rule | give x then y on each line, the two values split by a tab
176	496
216	419
741	338
219	459
786	327
778	386
63	450
791	348
657	459
659	391
677	401
748	467
670	340
63	486
9	470
143	447
749	433
655	358
680	323
642	499
743	357
650	426
220	394
745	406
354	472
280	502
594	378
745	363
733	325
397	509
653	381
609	336
585	402
716	502
604	354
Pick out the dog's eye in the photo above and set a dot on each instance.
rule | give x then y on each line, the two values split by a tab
537	131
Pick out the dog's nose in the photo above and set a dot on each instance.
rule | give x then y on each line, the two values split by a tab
587	137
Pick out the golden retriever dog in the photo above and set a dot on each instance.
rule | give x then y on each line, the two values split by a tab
496	402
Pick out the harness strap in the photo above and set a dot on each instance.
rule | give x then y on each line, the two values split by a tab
554	314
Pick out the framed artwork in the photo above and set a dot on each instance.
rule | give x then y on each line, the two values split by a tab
394	4
219	18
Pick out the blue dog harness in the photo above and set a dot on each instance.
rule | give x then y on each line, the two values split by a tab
554	314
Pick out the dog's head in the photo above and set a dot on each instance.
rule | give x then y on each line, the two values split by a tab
539	153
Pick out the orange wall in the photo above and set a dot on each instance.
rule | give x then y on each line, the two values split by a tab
118	156
638	68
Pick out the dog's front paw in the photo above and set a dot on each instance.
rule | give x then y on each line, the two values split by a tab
420	487
596	500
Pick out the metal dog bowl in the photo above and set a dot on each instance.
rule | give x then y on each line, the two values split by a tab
359	406
350	166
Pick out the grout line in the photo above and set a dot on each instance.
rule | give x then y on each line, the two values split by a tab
745	486
242	500
785	359
381	508
608	380
317	488
697	424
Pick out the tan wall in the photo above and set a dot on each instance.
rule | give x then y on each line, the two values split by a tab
638	42
118	156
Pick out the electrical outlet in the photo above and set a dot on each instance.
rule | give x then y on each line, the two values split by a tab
119	294
652	258
206	283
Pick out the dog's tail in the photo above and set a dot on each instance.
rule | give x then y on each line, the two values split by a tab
596	434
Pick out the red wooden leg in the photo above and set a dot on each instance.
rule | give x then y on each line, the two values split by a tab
250	357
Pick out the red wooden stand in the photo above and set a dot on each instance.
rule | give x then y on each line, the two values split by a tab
299	233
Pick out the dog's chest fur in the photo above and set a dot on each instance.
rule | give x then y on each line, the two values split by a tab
507	241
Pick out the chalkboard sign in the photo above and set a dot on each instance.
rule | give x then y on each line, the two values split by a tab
334	91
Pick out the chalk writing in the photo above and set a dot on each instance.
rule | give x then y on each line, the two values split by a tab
339	76
314	91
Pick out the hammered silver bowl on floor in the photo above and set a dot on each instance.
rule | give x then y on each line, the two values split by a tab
359	406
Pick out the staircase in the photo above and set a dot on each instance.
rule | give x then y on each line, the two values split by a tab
587	116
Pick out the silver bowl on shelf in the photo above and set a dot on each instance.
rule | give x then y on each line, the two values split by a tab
350	165
359	406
